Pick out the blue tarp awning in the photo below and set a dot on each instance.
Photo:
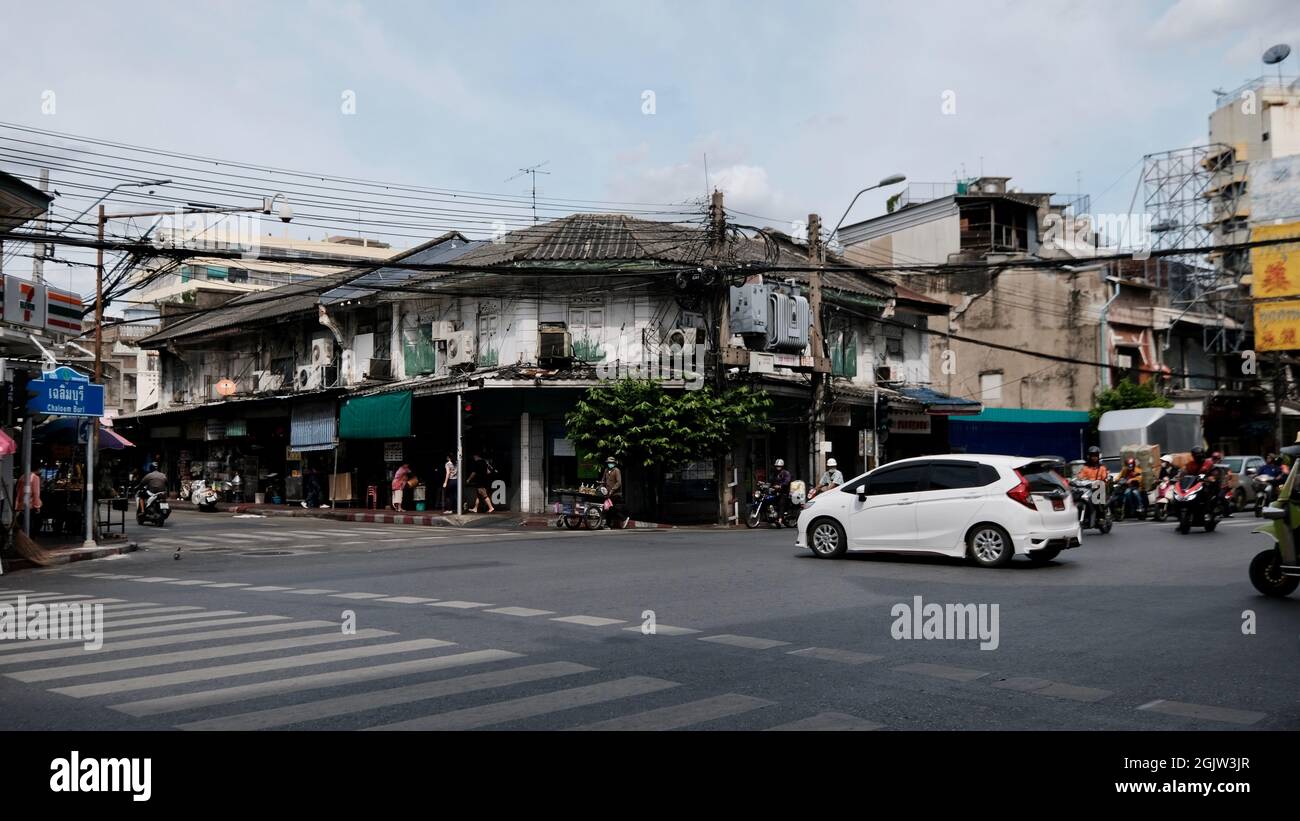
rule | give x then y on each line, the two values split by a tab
941	404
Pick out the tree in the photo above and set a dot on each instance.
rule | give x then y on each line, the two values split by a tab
642	425
1127	394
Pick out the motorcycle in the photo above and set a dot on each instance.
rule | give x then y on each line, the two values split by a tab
1276	571
1090	499
1124	504
1160	505
1265	491
155	510
763	507
204	496
1196	503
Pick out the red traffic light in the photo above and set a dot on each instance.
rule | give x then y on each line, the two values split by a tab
469	408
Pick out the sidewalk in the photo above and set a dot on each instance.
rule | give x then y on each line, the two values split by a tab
503	519
64	551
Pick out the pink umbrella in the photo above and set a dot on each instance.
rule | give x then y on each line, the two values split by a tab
7	444
111	440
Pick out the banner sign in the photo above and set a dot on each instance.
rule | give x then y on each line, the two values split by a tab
1277	325
1275	269
65	392
908	422
38	306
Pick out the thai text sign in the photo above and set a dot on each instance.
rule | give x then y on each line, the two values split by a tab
1277	325
65	392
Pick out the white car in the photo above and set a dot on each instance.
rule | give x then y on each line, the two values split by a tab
986	508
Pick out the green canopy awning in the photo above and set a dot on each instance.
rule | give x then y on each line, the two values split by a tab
384	416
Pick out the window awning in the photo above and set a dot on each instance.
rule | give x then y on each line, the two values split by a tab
312	426
941	404
382	416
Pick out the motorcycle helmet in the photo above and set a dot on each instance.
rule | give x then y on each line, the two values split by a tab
779	463
830	463
1094	451
1198	454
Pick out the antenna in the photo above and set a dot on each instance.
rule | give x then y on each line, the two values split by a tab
532	171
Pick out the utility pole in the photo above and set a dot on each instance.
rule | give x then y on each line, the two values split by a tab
816	429
38	259
717	247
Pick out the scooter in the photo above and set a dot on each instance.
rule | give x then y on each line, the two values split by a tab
1160	505
1124	504
763	507
204	496
155	511
1090	499
1196	503
1265	491
1276	571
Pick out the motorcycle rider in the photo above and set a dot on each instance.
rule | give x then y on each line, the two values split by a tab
1167	469
781	480
831	477
1093	470
155	481
1129	484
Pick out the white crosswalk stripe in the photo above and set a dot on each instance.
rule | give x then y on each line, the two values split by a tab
160	641
682	715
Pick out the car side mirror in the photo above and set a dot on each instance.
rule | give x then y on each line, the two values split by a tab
862	494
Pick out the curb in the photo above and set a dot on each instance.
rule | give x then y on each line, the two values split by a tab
69	555
380	517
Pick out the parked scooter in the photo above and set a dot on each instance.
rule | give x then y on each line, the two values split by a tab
204	495
763	507
156	510
1276	571
1090	499
1196	503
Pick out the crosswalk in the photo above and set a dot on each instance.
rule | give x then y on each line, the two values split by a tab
249	537
199	669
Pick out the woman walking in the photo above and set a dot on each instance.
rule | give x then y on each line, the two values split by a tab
399	484
449	480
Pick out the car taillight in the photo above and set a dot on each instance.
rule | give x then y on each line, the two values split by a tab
1020	492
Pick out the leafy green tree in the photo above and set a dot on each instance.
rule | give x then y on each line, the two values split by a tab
646	427
1127	394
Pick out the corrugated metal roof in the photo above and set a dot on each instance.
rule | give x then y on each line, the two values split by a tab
444	249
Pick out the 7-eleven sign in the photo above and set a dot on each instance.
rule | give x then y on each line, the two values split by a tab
25	303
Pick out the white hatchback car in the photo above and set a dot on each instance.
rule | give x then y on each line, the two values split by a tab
987	508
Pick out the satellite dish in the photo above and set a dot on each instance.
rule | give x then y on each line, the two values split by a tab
1277	54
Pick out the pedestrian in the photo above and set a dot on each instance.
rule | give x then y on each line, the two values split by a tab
399	484
29	490
612	480
311	488
449	480
480	480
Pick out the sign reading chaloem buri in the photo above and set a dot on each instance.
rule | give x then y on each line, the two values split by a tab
65	392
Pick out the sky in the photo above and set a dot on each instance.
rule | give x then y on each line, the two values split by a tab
796	105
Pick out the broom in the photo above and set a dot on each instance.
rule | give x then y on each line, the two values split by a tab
28	548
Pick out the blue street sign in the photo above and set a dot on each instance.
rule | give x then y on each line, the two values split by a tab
65	392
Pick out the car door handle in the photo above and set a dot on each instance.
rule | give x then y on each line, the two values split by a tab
971	496
906	501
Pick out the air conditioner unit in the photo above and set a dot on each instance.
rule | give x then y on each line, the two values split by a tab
443	330
554	341
322	352
461	348
307	378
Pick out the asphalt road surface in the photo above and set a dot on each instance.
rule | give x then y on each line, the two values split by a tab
277	623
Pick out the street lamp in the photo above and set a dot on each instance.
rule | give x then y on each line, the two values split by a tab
107	194
892	179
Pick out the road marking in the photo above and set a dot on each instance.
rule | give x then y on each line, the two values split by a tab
1055	689
1204	712
360	595
188	582
219	585
459	605
266	588
682	715
226	695
526	612
589	621
312	591
665	630
531	706
360	702
748	642
823	722
127	605
44	597
175	614
154	579
246	668
305	534
408	600
62	600
161	641
110	633
187	656
831	654
942	671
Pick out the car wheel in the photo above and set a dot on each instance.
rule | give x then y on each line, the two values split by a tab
1044	556
989	546
826	539
1239	499
1105	526
1266	575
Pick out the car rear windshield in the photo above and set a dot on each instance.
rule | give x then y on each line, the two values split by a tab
1234	465
1042	478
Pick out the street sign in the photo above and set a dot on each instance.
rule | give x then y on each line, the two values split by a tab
65	392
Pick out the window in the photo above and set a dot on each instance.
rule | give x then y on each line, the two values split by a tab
957	475
217	272
1042	478
991	386
239	275
902	479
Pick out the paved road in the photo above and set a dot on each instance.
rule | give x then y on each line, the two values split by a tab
503	629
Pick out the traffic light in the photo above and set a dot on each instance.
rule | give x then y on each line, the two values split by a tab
882	418
466	416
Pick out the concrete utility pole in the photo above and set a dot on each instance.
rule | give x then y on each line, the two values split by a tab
816	427
38	259
717	246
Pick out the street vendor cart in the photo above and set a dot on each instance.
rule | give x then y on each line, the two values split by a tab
583	508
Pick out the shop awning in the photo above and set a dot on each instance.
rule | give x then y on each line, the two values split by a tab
941	404
382	416
1030	416
312	426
